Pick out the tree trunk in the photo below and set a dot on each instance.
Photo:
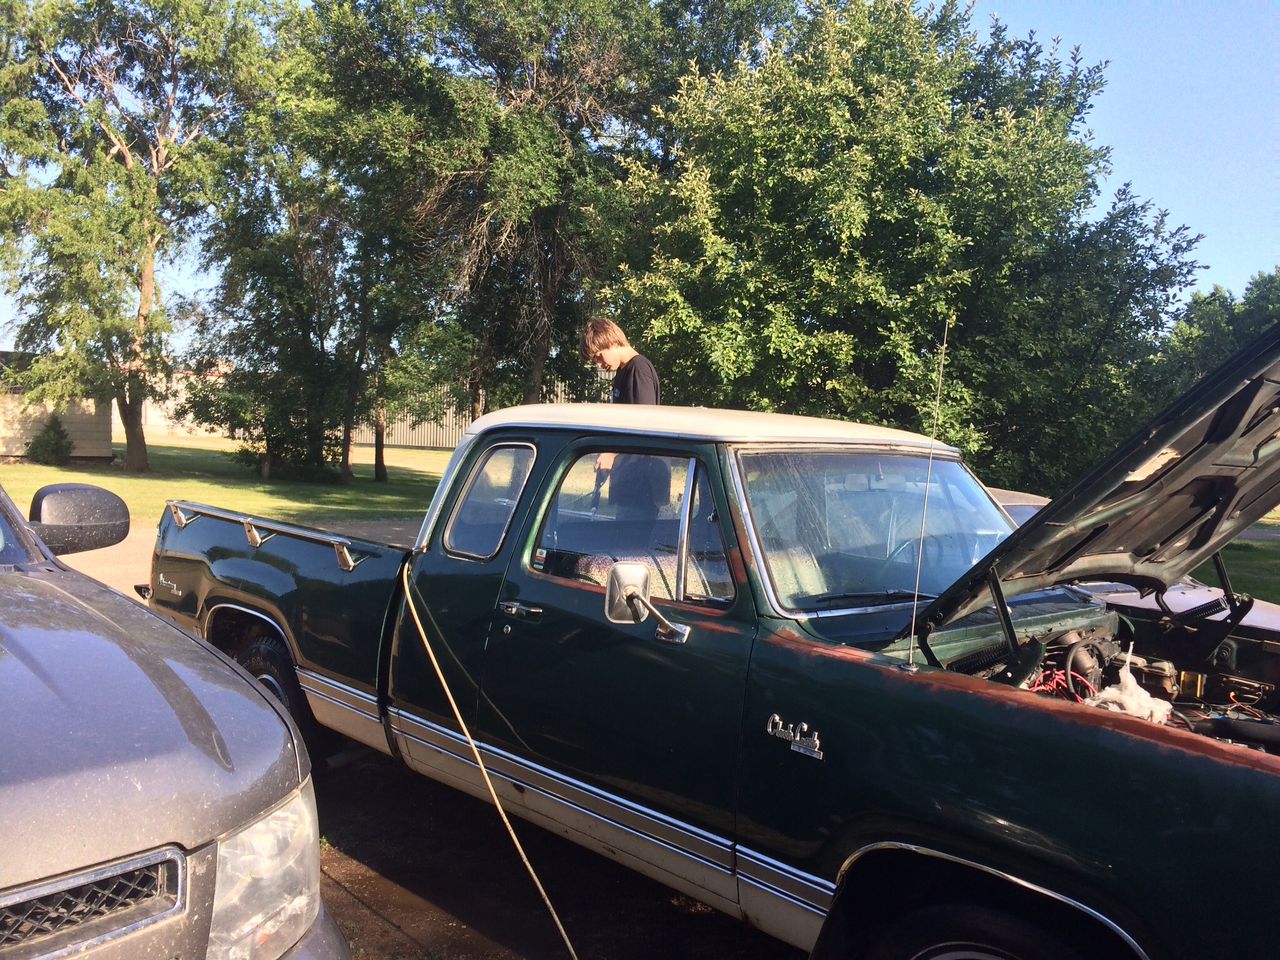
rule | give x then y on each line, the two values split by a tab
135	442
353	383
130	401
380	422
537	365
380	442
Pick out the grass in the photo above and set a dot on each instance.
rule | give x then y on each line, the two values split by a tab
1252	565
199	469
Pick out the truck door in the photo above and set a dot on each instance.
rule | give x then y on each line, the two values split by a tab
641	732
456	581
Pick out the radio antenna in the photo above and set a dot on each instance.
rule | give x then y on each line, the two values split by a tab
928	482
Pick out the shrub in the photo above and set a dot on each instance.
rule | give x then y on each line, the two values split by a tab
52	445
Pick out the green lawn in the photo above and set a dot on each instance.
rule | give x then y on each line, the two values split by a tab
199	469
1252	565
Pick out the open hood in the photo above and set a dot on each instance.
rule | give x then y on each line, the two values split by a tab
1166	501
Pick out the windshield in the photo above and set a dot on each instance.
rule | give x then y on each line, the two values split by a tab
842	530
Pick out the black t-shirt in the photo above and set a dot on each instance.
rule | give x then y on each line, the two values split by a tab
636	382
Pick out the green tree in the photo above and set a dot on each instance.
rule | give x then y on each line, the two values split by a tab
506	123
876	176
1210	328
114	112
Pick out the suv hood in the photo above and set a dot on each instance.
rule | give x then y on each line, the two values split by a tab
1166	501
121	733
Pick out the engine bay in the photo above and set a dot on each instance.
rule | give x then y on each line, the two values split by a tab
1196	669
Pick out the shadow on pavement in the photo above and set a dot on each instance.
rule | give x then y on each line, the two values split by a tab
414	869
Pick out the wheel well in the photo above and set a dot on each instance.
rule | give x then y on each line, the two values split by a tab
231	629
887	883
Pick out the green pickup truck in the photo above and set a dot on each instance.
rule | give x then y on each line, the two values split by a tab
809	672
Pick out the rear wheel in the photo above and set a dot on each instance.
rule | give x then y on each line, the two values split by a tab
265	656
968	932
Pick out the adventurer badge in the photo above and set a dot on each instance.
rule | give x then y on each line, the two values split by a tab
801	740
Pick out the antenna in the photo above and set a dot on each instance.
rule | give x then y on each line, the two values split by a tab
928	482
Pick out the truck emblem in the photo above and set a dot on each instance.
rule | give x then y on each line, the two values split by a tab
169	585
801	740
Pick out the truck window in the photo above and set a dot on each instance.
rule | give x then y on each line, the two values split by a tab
483	512
633	511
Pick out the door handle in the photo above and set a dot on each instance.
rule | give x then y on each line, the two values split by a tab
521	611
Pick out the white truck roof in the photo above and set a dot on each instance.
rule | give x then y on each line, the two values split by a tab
700	423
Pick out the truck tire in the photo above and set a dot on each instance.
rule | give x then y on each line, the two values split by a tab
265	656
968	932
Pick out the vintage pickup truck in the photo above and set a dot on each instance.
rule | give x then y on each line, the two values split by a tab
809	672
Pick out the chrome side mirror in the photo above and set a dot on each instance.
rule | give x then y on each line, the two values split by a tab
626	600
626	593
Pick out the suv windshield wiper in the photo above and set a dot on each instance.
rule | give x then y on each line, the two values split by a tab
872	598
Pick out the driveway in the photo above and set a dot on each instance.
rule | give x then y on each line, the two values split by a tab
413	870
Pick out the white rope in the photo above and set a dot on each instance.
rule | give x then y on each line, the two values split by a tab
928	482
475	752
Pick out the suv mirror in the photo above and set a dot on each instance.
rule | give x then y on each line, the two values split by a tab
626	593
71	517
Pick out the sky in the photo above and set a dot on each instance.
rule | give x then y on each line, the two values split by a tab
1191	112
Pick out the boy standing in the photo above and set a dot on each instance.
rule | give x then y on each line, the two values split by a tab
635	379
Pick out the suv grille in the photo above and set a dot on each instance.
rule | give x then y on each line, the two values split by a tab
103	902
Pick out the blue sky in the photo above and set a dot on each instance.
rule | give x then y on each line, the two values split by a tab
1191	111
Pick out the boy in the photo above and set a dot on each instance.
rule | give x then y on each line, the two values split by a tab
635	380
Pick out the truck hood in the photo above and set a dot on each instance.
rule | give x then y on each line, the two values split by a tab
121	732
1166	501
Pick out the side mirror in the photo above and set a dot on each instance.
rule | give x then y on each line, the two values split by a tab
626	593
71	517
626	600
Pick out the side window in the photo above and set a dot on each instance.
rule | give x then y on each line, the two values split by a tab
483	512
624	506
707	570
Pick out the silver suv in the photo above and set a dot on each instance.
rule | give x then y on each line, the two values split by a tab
154	802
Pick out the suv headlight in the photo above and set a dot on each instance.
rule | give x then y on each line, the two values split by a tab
268	886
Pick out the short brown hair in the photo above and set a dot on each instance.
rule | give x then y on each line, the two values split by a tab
600	333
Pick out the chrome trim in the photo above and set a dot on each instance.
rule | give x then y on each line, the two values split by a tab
442	488
1010	878
340	693
809	891
766	577
170	854
691	841
252	534
341	545
351	712
682	542
466	488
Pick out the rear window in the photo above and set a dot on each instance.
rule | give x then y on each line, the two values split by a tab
484	511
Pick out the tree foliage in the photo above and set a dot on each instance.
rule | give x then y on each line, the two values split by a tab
876	178
114	112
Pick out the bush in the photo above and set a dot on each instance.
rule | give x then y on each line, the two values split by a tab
52	445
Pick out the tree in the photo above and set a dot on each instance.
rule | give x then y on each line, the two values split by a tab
114	111
1210	328
268	366
274	358
507	123
872	178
